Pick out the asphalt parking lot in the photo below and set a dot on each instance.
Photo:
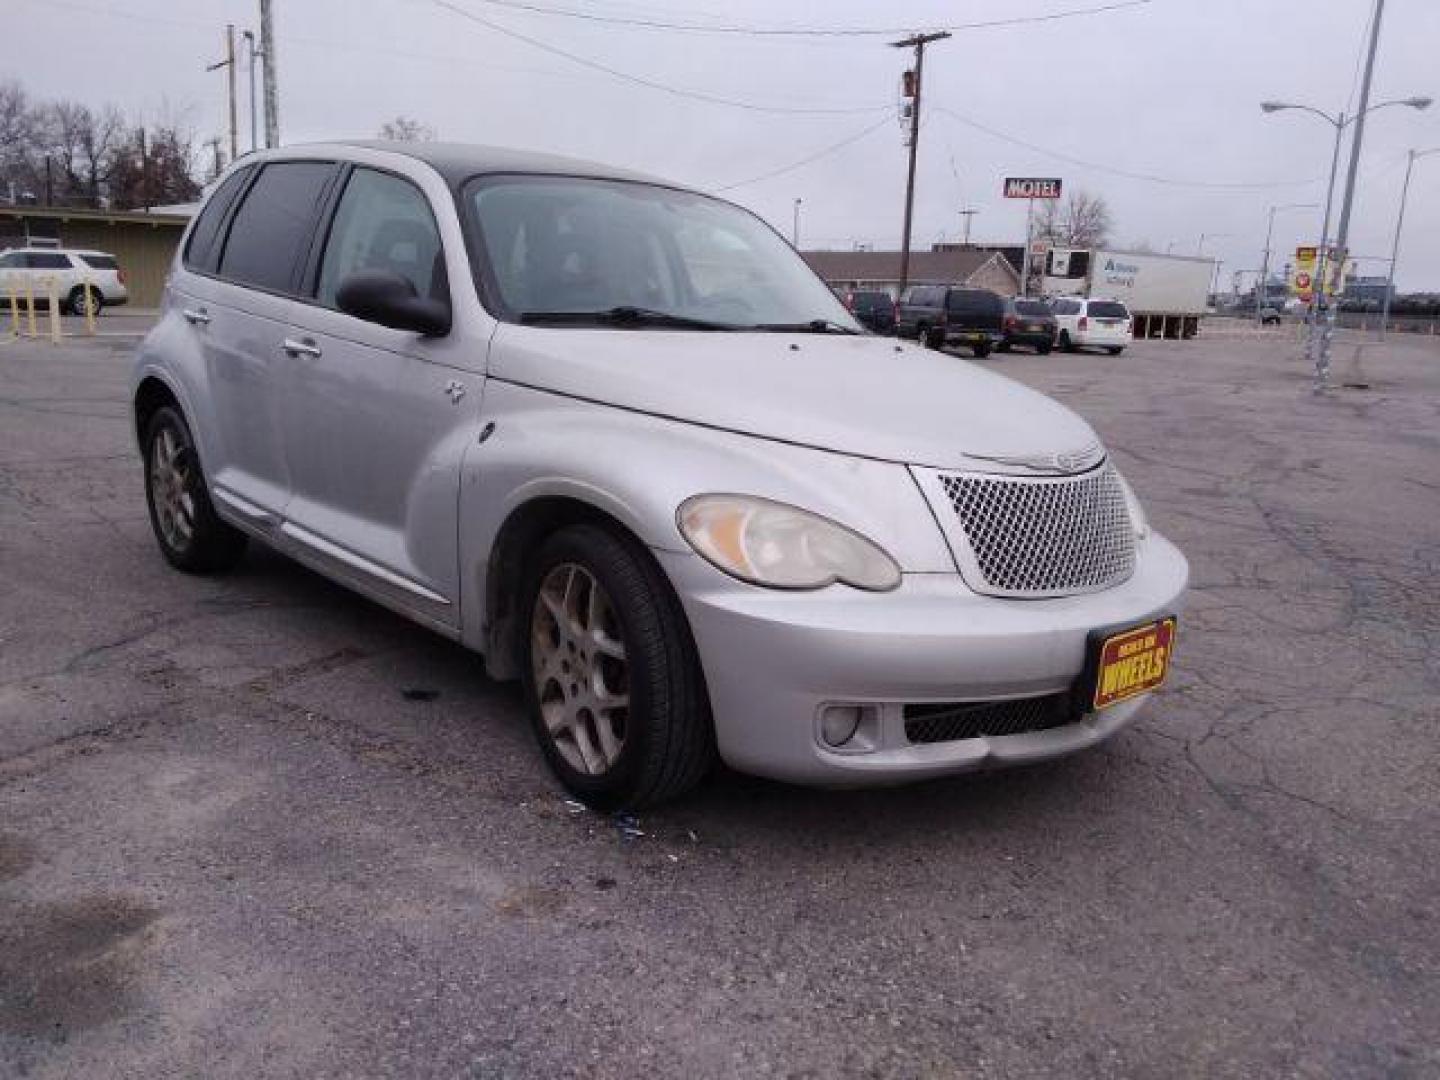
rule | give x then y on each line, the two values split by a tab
254	825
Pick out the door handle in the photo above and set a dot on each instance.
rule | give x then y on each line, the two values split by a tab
301	348
196	316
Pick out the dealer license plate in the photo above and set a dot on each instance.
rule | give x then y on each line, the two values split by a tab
1133	662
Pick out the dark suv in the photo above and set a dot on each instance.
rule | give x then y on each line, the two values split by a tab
873	309
1030	323
939	315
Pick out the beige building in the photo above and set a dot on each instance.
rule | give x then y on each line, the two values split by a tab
144	243
881	269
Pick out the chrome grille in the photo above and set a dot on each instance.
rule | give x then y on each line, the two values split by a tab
1034	536
972	719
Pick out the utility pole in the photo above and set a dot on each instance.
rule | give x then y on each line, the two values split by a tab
1342	238
795	228
252	52
272	93
144	170
967	215
229	64
219	165
918	43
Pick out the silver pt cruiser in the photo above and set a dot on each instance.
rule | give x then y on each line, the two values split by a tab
617	437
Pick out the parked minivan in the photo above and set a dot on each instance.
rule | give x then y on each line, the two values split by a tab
939	315
617	437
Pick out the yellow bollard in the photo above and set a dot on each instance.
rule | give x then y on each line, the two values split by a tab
14	311
54	312
90	295
30	305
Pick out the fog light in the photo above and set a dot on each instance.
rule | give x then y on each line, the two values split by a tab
838	723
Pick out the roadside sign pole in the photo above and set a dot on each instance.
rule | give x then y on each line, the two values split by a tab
1029	238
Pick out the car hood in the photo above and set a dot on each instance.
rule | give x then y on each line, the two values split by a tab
868	396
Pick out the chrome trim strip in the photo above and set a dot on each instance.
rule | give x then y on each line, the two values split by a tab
317	543
253	514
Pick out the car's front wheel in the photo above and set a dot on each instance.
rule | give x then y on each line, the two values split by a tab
1043	348
190	534
981	351
614	688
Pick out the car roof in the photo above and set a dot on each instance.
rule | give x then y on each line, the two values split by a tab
458	162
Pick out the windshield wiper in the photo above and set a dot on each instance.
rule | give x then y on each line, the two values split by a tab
624	315
814	326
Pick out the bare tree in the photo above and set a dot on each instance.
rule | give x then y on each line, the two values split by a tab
1082	220
20	158
152	168
404	129
82	143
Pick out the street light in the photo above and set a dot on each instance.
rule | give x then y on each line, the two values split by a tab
1264	286
1339	122
1414	156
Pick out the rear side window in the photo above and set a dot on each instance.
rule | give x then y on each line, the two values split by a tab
1108	309
47	260
12	261
973	302
272	227
203	247
382	223
100	262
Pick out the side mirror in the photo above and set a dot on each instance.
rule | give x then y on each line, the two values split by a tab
387	298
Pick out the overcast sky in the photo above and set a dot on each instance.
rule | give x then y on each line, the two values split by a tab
1169	89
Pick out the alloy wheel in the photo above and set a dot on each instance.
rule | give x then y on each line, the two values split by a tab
169	489
581	674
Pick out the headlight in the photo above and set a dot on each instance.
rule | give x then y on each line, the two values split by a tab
1137	512
783	547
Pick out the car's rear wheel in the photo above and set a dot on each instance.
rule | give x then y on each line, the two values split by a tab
1043	349
1115	350
614	687
981	351
1066	345
190	534
934	338
1004	346
80	297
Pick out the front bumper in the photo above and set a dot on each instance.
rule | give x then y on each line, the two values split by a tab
772	659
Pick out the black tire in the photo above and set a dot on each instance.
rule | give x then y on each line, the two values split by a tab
935	339
211	545
667	745
1043	350
981	351
1115	350
1066	345
1004	346
75	303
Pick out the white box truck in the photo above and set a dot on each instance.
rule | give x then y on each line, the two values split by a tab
1166	294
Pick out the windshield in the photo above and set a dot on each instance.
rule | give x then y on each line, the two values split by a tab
567	245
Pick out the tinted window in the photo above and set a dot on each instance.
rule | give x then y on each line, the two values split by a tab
973	302
382	223
100	262
1108	309
1031	308
47	260
272	226
202	247
11	261
869	301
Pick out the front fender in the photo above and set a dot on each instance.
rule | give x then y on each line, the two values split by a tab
639	468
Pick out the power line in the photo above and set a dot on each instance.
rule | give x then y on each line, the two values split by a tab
638	80
799	31
1114	171
856	137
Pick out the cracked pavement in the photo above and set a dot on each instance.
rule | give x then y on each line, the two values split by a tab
254	825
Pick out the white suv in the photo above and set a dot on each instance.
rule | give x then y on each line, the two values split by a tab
79	276
1079	322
